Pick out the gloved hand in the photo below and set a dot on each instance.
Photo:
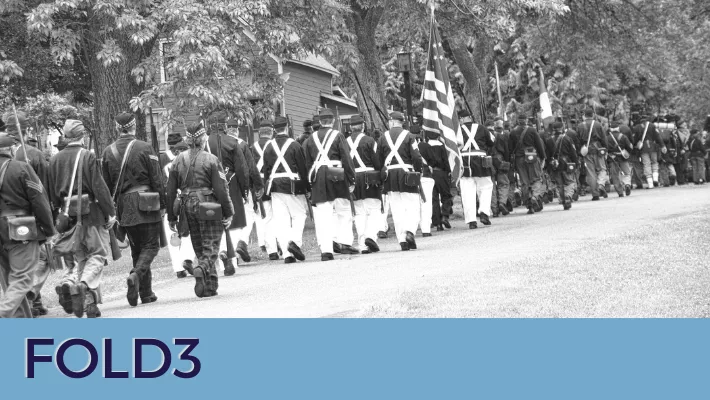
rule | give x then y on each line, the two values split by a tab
173	226
227	222
111	222
259	193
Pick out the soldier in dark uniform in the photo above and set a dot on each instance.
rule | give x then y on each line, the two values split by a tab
256	185
23	195
594	149
332	178
201	180
501	168
79	290
620	148
435	158
38	162
476	180
401	162
181	253
287	182
527	151
307	131
647	141
563	162
237	172
667	172
368	186
264	229
132	170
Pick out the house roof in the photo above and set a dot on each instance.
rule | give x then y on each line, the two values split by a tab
338	99
317	62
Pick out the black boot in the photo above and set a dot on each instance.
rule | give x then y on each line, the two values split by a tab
187	266
38	309
336	248
133	287
78	297
326	257
64	293
445	222
484	219
229	269
371	245
628	190
410	241
472	225
92	307
243	251
348	249
404	246
274	256
296	251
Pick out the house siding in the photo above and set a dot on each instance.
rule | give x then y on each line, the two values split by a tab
302	92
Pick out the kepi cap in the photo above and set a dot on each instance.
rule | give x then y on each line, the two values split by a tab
125	121
195	130
280	122
356	120
73	129
396	116
174	138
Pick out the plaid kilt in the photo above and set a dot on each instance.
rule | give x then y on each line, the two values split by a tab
205	236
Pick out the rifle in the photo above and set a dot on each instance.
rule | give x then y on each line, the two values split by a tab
156	149
227	238
19	130
367	106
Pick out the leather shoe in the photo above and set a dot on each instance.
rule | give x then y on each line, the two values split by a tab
382	235
347	249
404	246
326	257
296	251
446	223
439	228
426	234
64	293
485	220
595	198
336	248
410	241
289	260
132	294
243	251
181	274
504	211
149	299
472	225
372	245
187	266
229	269
273	256
78	297
628	190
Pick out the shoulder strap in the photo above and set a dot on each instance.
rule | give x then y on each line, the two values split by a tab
471	138
79	173
119	179
615	141
589	138
643	138
520	140
394	147
353	150
71	182
190	167
558	146
3	169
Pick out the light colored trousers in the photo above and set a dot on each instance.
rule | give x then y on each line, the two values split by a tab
252	218
405	213
334	222
89	260
596	172
368	220
620	173
18	261
178	254
289	218
472	187
386	206
426	207
650	167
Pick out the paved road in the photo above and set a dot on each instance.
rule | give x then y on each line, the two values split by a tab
362	285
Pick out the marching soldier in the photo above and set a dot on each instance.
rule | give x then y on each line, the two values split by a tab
37	160
285	171
204	205
401	166
527	151
368	186
23	196
501	168
181	252
132	170
230	155
79	289
476	180
619	154
697	156
264	229
648	142
435	158
563	162
332	177
428	183
307	131
594	149
256	185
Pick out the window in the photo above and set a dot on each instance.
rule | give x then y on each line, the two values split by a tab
167	55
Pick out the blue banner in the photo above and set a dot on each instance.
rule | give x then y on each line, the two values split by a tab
356	359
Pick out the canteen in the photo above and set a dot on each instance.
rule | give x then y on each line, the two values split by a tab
175	240
584	151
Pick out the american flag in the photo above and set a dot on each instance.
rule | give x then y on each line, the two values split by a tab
439	106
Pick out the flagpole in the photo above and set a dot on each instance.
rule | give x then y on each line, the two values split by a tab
428	52
501	113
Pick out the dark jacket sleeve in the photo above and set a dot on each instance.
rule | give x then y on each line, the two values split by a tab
654	135
105	171
298	154
307	153
381	152
371	147
241	168
571	150
41	167
538	144
254	176
345	159
269	158
219	187
38	200
172	190
98	186
413	150
155	174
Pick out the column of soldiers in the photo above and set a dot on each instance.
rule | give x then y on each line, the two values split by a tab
212	188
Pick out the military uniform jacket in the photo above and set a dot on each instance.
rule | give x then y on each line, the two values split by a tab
530	139
37	161
627	132
396	172
292	178
206	173
435	156
237	172
473	159
142	172
303	137
257	151
673	145
165	159
22	193
572	134
323	187
366	150
501	150
563	150
623	141
598	140
696	146
652	142
255	181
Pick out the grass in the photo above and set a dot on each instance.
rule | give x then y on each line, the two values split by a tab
658	271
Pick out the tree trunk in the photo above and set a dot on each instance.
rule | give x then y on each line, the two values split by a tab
363	23
113	86
472	67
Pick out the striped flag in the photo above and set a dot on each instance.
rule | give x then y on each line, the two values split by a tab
439	106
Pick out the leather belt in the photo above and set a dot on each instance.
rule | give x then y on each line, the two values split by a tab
364	169
203	190
139	188
14	213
